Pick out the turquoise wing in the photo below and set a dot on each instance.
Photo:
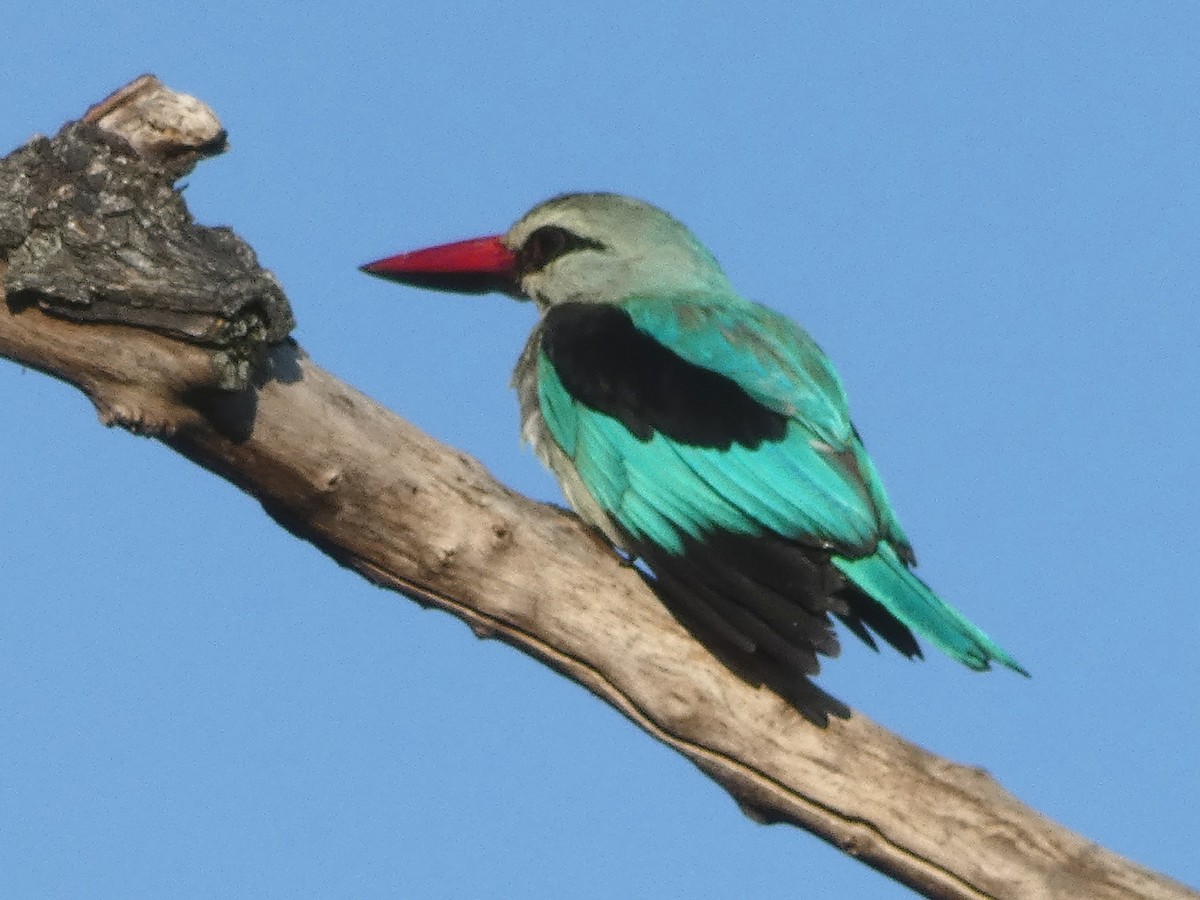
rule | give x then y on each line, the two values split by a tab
701	422
778	364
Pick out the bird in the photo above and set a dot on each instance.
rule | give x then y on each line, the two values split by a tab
706	437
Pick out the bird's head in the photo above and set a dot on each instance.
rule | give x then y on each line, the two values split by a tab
575	248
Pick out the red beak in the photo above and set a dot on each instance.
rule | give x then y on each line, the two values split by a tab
477	266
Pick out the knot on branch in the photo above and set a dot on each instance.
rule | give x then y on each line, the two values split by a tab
94	232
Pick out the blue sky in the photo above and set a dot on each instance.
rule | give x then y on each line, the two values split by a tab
988	219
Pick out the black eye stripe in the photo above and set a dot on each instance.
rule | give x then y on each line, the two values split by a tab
547	244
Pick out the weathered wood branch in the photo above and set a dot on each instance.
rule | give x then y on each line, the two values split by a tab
99	293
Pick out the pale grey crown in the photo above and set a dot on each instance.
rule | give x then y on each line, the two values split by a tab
618	247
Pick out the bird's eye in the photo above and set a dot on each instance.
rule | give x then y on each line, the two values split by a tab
547	244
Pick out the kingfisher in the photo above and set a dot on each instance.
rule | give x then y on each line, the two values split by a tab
705	436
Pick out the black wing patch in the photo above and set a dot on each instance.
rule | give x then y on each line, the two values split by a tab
608	364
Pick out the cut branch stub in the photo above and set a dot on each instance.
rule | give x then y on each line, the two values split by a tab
160	124
95	233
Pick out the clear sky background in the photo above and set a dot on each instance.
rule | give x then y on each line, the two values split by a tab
988	219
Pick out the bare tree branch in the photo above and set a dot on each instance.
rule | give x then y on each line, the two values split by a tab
105	281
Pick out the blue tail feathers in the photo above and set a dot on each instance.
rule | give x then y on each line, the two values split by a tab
884	577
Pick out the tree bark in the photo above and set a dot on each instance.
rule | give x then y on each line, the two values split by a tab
214	377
